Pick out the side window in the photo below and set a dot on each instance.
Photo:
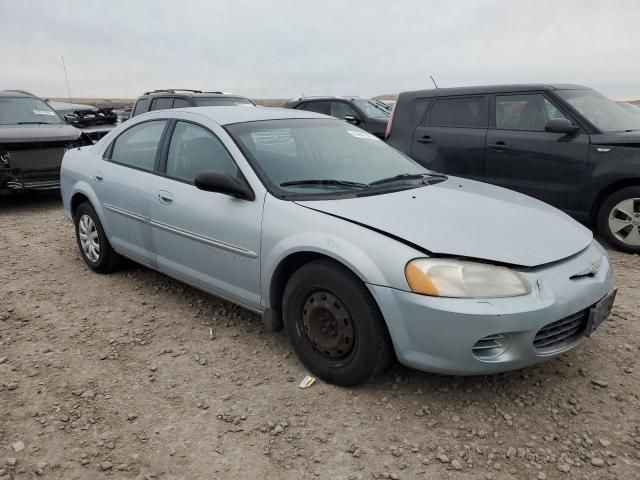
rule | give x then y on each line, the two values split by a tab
459	112
141	107
137	146
342	109
162	103
180	103
318	107
193	150
524	112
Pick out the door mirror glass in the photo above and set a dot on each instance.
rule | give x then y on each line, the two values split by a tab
221	182
352	119
560	125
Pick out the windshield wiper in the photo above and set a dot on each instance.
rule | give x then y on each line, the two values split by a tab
408	176
32	123
324	181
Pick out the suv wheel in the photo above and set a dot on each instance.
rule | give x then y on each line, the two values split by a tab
334	325
94	247
619	219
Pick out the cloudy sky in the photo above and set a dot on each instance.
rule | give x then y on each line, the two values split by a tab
284	48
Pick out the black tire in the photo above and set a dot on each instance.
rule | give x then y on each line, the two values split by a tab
606	209
107	259
323	294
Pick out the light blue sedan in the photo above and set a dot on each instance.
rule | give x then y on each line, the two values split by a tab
361	254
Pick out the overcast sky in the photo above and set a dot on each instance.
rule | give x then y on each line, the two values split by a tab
284	48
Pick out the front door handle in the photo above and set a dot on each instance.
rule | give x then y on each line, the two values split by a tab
426	139
499	146
98	176
165	198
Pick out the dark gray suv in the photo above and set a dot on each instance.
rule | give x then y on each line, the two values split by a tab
369	114
182	98
566	145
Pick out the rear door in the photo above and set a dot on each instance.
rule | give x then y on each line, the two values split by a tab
522	156
450	138
123	183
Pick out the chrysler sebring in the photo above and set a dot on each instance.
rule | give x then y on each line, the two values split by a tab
358	252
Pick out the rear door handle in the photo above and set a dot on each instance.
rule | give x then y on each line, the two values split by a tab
426	139
98	176
165	197
499	146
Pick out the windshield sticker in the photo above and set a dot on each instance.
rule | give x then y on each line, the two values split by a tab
44	112
364	135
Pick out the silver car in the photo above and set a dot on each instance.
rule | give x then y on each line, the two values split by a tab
360	253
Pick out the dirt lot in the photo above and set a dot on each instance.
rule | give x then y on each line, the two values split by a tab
136	376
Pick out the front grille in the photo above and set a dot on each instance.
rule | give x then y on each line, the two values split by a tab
561	334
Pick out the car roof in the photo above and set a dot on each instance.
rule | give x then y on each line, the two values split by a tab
329	97
484	89
229	115
16	94
189	93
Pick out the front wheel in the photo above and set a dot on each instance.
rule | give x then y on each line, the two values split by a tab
334	325
94	247
619	219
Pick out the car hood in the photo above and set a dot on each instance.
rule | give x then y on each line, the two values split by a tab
37	133
468	219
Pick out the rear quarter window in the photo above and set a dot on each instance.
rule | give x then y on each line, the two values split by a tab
141	107
460	112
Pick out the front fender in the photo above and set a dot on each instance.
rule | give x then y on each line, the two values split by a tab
375	258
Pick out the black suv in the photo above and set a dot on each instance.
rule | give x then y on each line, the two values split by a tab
567	145
182	98
368	114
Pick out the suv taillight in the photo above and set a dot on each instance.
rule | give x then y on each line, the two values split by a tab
388	130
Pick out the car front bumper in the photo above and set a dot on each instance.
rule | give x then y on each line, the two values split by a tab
439	334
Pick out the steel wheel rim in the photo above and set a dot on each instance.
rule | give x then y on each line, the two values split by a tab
624	221
89	238
328	328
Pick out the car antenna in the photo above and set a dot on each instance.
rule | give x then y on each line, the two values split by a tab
67	79
434	82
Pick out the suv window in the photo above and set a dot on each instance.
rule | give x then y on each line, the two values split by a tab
459	112
141	107
162	103
318	107
180	103
342	109
137	146
193	150
524	112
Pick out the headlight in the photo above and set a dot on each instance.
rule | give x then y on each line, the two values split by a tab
440	277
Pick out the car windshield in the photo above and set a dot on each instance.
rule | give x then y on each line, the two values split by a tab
222	102
318	156
27	111
602	112
374	109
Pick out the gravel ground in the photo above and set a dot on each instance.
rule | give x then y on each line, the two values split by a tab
136	376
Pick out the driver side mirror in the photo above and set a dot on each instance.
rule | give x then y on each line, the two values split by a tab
221	182
352	119
561	125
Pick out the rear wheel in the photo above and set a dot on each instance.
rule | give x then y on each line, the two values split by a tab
619	219
334	325
94	247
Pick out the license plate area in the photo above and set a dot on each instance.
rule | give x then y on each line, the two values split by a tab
599	313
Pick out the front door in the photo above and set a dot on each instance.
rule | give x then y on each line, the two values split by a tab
522	156
207	239
123	184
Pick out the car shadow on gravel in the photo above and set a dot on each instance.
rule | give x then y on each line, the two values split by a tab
29	201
